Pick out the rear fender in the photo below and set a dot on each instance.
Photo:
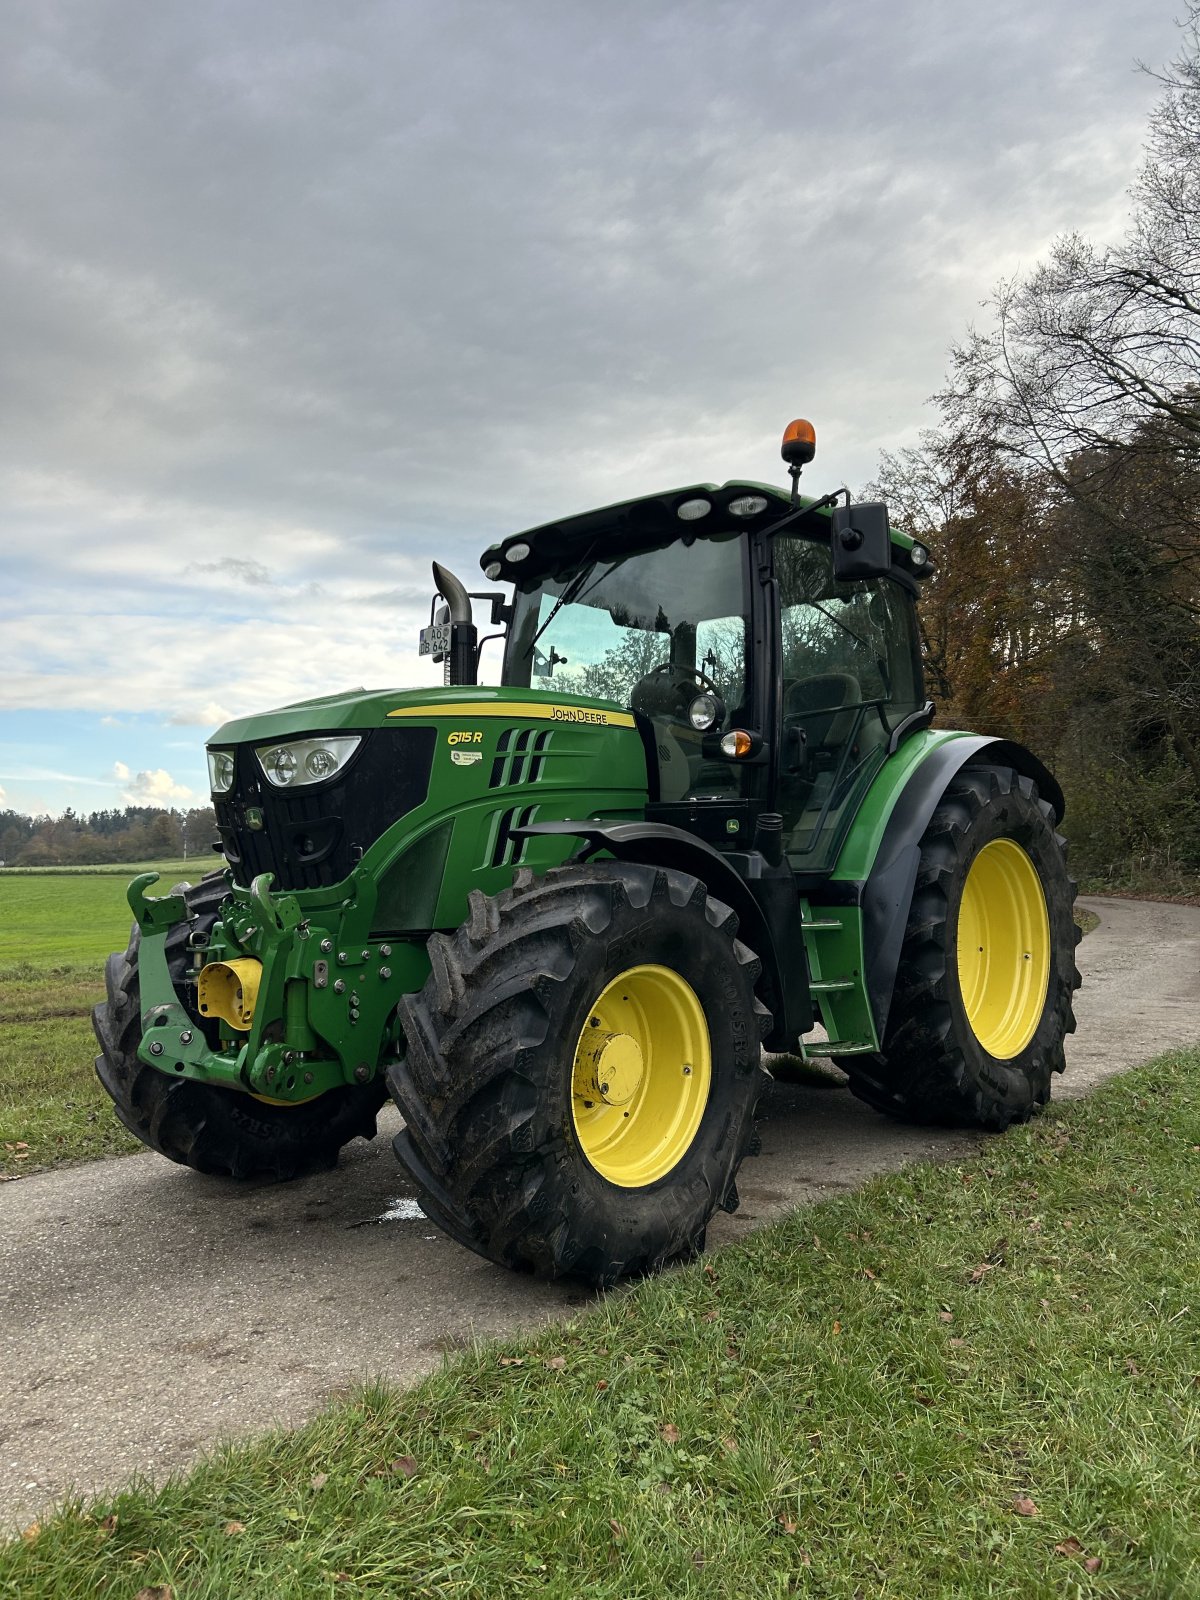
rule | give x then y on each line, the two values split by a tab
886	895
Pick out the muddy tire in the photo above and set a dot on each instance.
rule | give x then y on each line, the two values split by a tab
976	1032
213	1130
515	1154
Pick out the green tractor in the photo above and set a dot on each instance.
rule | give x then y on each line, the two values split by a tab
560	919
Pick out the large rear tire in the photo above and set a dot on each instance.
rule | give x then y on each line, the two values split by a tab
214	1130
581	1071
983	997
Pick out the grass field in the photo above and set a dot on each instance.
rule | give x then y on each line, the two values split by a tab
57	927
962	1381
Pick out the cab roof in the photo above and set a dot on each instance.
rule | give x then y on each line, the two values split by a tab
647	523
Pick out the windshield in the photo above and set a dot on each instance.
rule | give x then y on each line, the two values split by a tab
647	630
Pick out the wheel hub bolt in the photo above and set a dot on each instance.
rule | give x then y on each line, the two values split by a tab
156	1048
339	987
385	972
326	946
186	1036
362	1072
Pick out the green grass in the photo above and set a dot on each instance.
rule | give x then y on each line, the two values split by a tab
57	928
962	1381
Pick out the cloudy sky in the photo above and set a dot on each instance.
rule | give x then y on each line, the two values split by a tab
294	298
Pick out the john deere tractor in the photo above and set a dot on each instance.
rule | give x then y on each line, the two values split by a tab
703	813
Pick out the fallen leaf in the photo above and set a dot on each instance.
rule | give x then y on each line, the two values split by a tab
21	1144
729	1445
957	1344
342	1577
670	1432
109	1523
616	1527
406	1465
945	1316
981	1271
30	1533
867	1273
557	1363
1092	1564
1132	1368
512	1361
837	1327
156	1591
232	1529
1069	1547
786	1523
319	1480
602	1383
711	1316
1024	1506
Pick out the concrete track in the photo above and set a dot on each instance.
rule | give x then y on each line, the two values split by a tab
147	1312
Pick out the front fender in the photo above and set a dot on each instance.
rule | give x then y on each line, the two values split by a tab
777	942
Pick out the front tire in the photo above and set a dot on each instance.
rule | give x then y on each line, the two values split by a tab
983	996
581	1071
214	1130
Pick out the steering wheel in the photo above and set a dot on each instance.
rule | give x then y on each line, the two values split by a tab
702	678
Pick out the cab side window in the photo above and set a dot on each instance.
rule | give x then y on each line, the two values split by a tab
850	669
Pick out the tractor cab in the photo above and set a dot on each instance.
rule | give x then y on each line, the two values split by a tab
765	643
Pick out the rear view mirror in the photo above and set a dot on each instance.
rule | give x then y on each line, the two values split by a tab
861	541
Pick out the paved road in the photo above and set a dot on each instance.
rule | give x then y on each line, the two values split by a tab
146	1312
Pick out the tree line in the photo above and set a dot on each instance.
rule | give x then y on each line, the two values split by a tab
1060	494
137	833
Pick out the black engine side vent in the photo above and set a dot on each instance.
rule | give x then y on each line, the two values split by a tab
520	756
508	851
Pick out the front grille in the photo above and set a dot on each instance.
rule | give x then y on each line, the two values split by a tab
315	836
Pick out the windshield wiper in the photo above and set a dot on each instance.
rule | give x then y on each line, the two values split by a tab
573	591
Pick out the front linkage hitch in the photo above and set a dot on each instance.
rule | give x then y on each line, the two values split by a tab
317	981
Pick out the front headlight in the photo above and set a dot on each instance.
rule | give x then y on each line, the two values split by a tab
305	761
220	771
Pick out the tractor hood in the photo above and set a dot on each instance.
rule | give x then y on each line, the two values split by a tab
356	709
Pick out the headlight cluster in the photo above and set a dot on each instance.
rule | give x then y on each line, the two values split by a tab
220	771
305	761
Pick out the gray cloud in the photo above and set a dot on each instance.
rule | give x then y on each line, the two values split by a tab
312	294
238	571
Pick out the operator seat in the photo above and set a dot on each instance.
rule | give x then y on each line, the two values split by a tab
824	706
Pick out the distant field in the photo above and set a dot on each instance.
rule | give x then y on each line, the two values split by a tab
57	927
197	866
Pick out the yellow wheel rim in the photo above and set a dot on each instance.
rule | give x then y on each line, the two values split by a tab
1003	948
641	1076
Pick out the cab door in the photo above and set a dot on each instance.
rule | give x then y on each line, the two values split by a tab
849	672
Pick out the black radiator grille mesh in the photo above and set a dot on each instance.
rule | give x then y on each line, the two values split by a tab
314	836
